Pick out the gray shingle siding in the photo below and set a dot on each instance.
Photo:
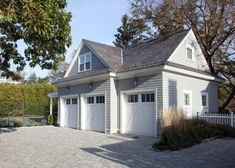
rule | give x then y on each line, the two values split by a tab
196	86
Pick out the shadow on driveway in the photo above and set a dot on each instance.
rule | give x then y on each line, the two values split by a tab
7	130
129	153
138	153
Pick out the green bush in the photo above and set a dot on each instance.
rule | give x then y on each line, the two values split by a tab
190	132
18	123
50	119
30	99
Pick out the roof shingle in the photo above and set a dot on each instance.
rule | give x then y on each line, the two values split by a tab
153	51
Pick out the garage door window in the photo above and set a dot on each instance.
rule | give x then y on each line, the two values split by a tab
148	97
74	101
100	99
90	100
132	98
67	101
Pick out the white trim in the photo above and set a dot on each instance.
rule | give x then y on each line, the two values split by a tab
113	106
59	108
190	96
85	55
188	46
93	94
74	59
156	114
207	101
140	72
83	80
72	95
137	91
105	113
190	73
112	74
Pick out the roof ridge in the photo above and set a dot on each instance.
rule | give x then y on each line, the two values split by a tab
161	37
101	43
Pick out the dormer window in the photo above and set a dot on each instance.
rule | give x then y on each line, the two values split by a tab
85	62
189	53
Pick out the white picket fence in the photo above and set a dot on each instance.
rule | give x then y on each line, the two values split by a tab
217	118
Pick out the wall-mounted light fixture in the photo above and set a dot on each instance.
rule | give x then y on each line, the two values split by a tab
67	89
90	85
135	81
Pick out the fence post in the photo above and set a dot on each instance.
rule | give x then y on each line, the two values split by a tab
197	115
231	116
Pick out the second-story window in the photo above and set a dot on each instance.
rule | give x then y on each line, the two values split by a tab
85	62
189	51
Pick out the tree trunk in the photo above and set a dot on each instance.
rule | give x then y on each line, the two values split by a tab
230	97
210	64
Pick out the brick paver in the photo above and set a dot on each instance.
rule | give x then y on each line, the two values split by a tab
53	147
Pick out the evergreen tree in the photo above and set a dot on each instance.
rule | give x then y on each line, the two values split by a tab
130	32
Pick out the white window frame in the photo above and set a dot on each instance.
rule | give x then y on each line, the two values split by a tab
134	94
85	55
190	98
190	47
207	100
150	101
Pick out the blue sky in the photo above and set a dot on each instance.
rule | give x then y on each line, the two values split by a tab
95	20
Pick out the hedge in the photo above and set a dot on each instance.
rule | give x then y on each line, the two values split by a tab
31	99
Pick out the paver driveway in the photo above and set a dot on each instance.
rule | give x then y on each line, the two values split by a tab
44	147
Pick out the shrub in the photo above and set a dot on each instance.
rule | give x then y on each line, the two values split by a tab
29	99
50	119
18	123
190	132
172	116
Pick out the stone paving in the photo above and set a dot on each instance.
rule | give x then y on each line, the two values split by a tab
54	147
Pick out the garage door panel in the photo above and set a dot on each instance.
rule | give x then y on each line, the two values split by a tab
94	113
70	112
139	115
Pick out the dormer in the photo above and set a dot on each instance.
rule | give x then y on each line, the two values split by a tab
85	62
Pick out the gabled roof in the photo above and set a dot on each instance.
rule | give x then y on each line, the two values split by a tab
153	51
149	53
109	54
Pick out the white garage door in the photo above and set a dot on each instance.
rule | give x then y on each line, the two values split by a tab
70	112
139	114
94	113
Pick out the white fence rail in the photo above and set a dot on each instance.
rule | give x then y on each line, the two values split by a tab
216	118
